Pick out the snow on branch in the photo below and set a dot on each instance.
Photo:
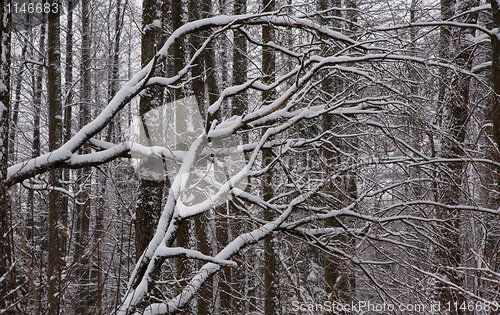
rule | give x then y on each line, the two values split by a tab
65	155
38	186
134	297
165	251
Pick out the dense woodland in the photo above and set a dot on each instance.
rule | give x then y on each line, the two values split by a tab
247	156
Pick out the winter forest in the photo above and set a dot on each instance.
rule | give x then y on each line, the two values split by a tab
249	157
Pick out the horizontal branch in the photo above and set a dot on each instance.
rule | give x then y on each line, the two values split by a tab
165	251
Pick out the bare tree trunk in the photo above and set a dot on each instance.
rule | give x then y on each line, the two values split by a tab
232	281
454	101
151	194
38	89
495	80
56	212
67	108
196	12
184	266
271	299
17	102
112	135
86	290
493	242
342	189
492	246
205	64
114	56
35	151
6	274
68	78
203	231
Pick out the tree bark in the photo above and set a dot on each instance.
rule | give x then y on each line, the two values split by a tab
271	299
493	241
454	114
35	151
86	285
205	65
6	275
232	284
184	265
495	80
150	197
56	212
342	190
17	103
67	106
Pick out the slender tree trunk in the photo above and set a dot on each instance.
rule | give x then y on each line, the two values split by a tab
223	45
35	151
6	275
229	301
343	188
150	198
271	299
68	78
67	108
17	103
197	72
211	71
38	96
330	85
495	80
454	101
112	136
204	245
205	64
114	75
86	289
56	213
184	266
493	242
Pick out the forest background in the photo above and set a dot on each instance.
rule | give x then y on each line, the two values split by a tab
243	157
